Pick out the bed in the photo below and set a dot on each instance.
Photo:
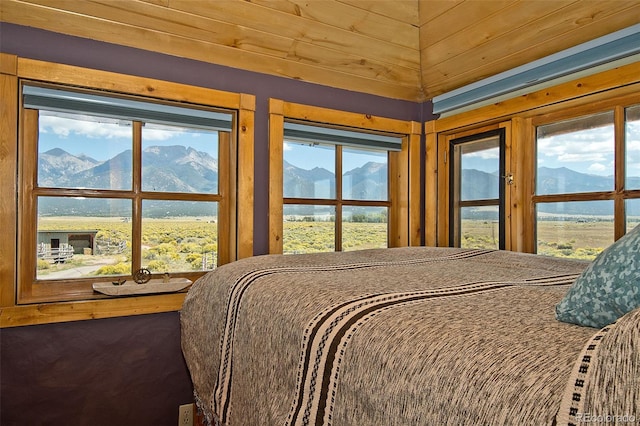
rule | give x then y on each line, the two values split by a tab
402	336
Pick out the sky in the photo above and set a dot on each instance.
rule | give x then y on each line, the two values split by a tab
324	156
589	151
105	139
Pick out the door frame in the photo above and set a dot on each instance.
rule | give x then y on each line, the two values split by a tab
455	173
511	166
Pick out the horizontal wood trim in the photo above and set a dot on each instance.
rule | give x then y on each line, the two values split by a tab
105	80
331	202
578	196
16	316
479	203
624	79
343	118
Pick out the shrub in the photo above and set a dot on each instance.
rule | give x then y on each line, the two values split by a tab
117	269
157	266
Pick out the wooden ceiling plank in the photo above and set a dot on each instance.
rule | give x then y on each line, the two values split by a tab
400	10
305	53
431	10
503	26
567	28
265	20
449	23
371	81
164	3
341	16
146	16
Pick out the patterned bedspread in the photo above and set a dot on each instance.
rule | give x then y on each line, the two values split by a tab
405	336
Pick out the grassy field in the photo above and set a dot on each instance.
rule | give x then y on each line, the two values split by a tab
190	244
168	245
314	237
571	239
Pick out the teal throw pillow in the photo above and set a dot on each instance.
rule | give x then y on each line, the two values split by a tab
608	288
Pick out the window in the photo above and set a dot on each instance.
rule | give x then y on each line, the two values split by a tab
335	188
338	187
587	176
111	182
477	191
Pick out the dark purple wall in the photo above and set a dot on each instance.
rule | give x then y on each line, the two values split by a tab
112	372
130	371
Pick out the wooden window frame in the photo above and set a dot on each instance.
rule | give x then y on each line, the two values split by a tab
617	105
13	272
566	99
404	177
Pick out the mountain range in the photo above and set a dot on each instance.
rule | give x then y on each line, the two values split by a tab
165	168
478	185
368	182
184	169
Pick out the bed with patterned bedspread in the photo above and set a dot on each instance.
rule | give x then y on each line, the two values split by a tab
402	336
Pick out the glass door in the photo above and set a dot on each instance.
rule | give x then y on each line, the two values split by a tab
476	191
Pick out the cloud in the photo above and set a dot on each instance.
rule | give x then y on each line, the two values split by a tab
64	125
577	148
485	154
89	127
597	168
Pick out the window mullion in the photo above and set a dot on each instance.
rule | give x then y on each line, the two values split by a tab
28	204
338	229
619	216
136	225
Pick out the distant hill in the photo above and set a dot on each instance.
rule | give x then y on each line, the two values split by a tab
368	182
184	169
165	168
565	181
562	180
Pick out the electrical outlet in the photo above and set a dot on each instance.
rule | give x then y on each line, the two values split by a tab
185	415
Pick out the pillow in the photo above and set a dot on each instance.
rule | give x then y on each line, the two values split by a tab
608	288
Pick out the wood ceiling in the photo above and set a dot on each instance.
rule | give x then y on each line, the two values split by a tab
404	49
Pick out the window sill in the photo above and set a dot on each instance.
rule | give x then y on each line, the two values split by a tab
45	313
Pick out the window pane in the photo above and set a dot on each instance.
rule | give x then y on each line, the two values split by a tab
364	174
632	154
364	228
480	227
579	229
309	170
480	169
80	151
179	159
83	237
179	236
576	155
308	229
633	213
